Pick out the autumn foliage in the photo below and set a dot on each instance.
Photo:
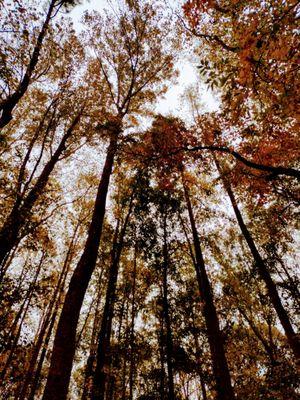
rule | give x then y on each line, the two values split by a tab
147	255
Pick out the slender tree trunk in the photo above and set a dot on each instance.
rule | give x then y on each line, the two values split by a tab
293	284
21	175
255	330
125	357
198	359
6	261
132	336
56	307
18	288
24	309
166	313
103	351
162	359
65	338
114	361
32	376
9	234
38	371
90	364
264	273
7	106
85	323
203	388
220	367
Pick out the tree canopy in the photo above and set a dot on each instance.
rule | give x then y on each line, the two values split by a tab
144	255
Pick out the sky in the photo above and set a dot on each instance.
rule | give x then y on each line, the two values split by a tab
188	74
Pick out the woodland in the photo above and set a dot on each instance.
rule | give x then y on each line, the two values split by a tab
145	255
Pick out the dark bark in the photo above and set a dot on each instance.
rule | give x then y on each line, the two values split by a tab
34	369
90	364
203	388
215	339
10	232
114	361
7	106
273	172
58	300
85	323
103	350
21	175
162	359
264	273
65	338
292	282
38	371
198	359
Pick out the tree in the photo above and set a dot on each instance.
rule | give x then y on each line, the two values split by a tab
144	66
8	104
172	272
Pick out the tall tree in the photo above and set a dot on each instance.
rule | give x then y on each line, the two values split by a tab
263	270
16	93
123	51
103	359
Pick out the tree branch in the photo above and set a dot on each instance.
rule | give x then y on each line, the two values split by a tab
274	171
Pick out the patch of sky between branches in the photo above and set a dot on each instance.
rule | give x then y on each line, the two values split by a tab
174	101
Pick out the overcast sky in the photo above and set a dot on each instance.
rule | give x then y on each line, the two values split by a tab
171	103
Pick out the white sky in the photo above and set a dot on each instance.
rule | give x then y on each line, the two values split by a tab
188	74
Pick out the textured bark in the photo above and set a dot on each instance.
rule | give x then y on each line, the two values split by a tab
65	338
7	106
103	351
264	273
10	232
220	367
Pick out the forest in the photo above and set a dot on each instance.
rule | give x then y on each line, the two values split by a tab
149	254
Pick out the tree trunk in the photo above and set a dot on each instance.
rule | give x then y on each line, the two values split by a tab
219	363
198	359
24	310
32	376
125	355
161	358
103	356
9	234
37	374
264	273
89	369
166	314
132	338
10	103
268	349
65	338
